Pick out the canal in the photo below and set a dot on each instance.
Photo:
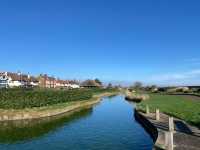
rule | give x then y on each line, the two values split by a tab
109	125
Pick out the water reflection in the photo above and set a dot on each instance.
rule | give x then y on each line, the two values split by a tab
110	125
17	131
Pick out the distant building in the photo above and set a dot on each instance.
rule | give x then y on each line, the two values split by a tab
70	84
73	84
50	82
46	81
9	79
178	89
60	83
4	80
33	81
154	89
90	84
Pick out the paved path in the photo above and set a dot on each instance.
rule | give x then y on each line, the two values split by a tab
186	137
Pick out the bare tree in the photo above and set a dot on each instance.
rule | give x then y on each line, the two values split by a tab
137	85
98	81
109	85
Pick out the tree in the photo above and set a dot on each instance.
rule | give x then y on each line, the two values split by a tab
90	83
137	85
98	81
109	85
153	87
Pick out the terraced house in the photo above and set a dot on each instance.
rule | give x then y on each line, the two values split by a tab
10	79
46	82
50	82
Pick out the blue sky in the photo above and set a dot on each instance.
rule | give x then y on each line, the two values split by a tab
154	41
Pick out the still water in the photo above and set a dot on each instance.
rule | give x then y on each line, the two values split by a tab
110	125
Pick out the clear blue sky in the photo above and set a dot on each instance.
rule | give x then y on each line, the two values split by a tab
154	41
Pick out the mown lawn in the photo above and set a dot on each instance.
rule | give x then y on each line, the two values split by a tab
179	106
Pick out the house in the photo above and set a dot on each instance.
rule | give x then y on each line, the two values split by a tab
50	82
10	79
33	81
73	84
47	82
4	80
60	83
90	84
70	84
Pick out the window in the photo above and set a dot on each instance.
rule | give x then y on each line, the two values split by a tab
3	81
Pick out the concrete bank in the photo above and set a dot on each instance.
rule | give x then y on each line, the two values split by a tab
153	131
184	136
148	126
41	112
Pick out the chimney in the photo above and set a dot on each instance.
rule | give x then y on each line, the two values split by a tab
18	73
28	76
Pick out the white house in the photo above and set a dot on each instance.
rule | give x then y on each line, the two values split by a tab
66	84
3	81
9	79
74	86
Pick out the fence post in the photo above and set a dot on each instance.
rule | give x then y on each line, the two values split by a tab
166	138
147	109
171	124
157	114
169	140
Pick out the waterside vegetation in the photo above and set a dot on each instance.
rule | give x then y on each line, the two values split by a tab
136	97
20	98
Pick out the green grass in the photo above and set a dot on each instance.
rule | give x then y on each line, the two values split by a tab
28	98
178	106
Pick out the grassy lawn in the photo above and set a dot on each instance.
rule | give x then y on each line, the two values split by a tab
178	106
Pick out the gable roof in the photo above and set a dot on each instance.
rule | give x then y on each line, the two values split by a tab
21	77
91	83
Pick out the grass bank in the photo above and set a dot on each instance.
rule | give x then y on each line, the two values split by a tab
60	106
179	106
30	98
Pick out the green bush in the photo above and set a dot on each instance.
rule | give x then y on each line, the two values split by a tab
20	98
27	98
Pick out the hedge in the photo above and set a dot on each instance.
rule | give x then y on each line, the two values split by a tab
28	98
23	98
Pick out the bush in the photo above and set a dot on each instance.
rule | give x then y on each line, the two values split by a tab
27	98
19	98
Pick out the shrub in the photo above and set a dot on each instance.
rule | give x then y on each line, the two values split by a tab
19	98
27	98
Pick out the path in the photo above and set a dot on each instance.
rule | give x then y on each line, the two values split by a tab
186	137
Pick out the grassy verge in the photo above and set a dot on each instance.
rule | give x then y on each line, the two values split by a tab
178	106
31	98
